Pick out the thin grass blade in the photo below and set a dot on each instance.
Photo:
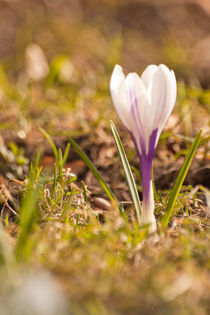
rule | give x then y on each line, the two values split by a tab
60	163
92	168
128	173
47	136
54	181
66	153
179	181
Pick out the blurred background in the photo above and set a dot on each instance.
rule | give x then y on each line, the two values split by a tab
97	34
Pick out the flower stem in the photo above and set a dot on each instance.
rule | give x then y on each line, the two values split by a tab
148	195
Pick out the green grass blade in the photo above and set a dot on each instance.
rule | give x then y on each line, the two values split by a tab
128	173
84	191
66	153
54	181
27	221
92	168
47	136
60	163
180	179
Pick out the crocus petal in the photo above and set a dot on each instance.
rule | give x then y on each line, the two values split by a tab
158	96
139	103
137	94
147	76
172	91
116	78
171	85
123	106
119	95
169	90
134	82
162	97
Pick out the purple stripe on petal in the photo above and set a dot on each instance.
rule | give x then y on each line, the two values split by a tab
137	119
152	141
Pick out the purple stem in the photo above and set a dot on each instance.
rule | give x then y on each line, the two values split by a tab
146	162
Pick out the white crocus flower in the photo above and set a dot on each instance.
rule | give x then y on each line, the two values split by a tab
144	104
